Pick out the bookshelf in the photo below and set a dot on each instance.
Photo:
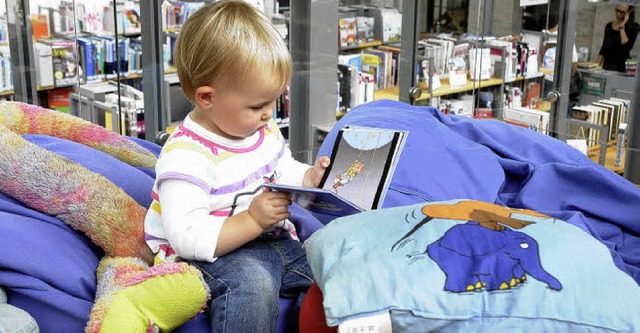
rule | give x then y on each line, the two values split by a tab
444	90
362	46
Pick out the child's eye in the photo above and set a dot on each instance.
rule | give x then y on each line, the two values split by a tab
256	107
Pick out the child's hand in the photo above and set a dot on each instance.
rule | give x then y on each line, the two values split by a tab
270	208
313	176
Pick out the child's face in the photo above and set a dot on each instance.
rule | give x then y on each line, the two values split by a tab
239	113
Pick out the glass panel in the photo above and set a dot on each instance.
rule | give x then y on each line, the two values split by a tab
369	48
604	80
87	60
176	104
174	14
6	76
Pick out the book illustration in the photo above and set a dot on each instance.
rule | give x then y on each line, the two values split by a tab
347	176
361	162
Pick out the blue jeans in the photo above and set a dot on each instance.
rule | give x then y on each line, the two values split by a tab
247	283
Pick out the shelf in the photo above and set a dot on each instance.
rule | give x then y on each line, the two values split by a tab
124	77
362	46
45	88
6	93
392	93
445	89
522	78
389	48
545	70
610	158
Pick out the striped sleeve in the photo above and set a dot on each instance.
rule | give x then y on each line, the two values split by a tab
187	161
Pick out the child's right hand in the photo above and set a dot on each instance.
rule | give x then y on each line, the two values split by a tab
269	208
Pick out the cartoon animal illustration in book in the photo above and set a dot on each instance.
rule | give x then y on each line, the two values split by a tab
346	177
484	253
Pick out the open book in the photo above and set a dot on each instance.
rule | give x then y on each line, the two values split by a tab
362	163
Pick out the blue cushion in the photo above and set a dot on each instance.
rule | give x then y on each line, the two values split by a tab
441	277
449	157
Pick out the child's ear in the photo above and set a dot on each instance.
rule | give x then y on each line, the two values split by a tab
204	96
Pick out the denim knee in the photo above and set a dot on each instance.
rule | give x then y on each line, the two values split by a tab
248	304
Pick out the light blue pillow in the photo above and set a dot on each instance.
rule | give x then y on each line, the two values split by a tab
446	273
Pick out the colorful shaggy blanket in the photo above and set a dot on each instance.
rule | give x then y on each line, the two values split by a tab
82	176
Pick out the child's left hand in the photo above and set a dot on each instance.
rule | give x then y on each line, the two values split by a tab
313	176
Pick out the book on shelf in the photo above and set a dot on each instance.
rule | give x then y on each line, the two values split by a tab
352	60
6	70
590	114
458	65
347	32
347	87
363	161
40	26
530	118
611	113
532	95
64	54
364	29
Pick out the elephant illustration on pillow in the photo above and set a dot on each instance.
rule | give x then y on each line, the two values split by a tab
484	253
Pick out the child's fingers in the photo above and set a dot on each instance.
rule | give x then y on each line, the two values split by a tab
324	161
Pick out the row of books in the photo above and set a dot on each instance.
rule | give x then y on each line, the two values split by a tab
354	88
440	50
69	16
610	112
354	31
450	56
359	75
514	58
381	62
6	79
359	24
175	13
61	61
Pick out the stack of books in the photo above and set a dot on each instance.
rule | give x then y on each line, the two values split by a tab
612	112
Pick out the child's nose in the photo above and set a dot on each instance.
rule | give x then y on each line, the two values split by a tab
268	113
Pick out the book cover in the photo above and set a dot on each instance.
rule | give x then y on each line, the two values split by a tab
371	64
347	30
323	204
64	55
458	66
351	59
362	164
364	27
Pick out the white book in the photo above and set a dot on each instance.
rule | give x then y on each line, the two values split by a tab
531	119
544	118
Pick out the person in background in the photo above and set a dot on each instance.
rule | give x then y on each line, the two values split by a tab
619	38
209	207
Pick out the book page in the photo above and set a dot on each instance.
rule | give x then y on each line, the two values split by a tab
361	165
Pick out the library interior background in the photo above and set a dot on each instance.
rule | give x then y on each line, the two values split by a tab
471	58
529	64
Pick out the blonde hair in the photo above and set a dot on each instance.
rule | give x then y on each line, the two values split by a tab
221	43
